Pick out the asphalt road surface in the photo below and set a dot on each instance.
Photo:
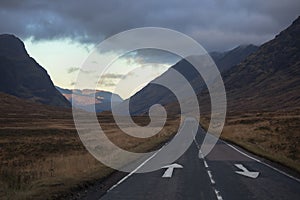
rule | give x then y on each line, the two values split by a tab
226	173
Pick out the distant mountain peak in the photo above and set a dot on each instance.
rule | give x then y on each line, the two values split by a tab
87	97
243	46
154	94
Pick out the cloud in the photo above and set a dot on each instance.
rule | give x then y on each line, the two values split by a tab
76	69
110	79
72	69
108	83
253	21
112	76
151	56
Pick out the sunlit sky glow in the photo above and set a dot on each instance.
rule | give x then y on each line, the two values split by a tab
63	59
58	57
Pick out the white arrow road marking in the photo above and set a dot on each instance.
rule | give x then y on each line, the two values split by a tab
246	172
168	173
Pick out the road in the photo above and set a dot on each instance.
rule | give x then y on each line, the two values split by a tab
227	173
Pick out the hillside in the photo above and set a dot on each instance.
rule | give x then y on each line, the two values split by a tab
23	77
269	79
15	112
153	94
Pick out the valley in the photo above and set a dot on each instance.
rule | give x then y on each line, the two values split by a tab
42	153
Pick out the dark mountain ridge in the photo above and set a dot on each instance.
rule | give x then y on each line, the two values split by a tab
154	94
23	77
269	79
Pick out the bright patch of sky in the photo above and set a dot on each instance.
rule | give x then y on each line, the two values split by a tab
63	60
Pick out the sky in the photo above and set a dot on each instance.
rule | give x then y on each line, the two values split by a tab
61	34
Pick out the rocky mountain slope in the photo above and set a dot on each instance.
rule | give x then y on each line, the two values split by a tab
270	78
23	77
155	94
267	80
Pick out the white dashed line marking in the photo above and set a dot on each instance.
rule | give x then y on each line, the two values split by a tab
201	156
210	177
205	164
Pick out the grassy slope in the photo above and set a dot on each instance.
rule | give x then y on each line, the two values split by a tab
41	155
272	135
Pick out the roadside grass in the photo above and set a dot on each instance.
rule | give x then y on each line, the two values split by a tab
45	162
271	135
44	178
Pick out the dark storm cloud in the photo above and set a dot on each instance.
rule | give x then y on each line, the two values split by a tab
153	56
216	24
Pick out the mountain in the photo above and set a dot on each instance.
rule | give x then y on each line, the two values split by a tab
154	94
230	58
268	79
23	77
84	98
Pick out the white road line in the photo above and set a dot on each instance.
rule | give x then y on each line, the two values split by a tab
197	144
210	177
219	197
257	160
135	170
205	164
248	156
201	156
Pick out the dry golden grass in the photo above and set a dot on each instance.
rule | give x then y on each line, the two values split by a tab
43	157
273	135
43	178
